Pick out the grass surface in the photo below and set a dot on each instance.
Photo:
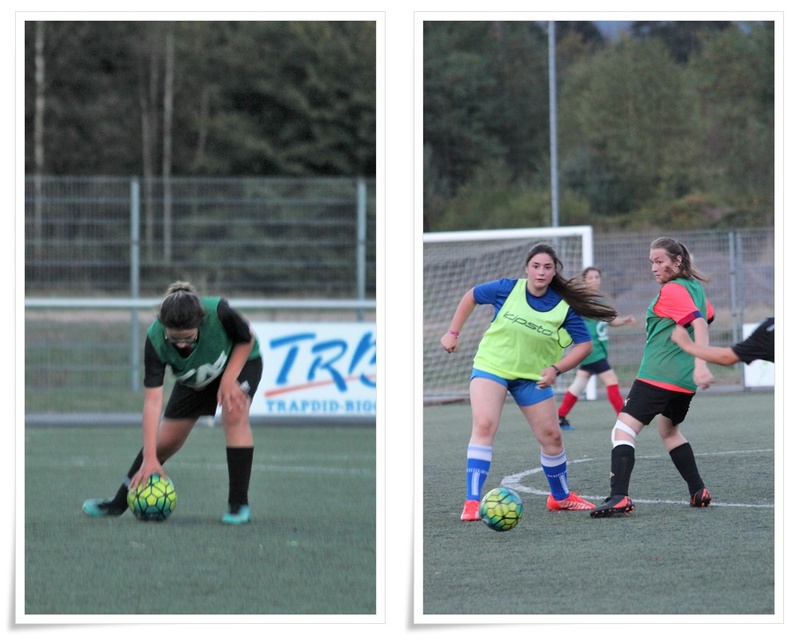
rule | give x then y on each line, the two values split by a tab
664	558
310	548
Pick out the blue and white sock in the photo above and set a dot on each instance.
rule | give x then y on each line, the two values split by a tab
555	469
479	459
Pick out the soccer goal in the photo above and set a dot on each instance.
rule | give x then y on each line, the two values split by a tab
454	262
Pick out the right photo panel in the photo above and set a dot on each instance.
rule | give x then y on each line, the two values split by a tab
597	222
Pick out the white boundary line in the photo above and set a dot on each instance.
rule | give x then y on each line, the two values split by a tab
514	481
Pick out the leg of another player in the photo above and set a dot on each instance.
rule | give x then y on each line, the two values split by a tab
611	383
239	455
571	398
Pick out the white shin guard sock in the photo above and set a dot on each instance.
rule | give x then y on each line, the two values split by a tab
622	427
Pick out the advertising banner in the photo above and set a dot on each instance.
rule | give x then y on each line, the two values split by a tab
316	369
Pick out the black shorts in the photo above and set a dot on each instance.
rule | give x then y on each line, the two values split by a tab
596	368
185	402
645	402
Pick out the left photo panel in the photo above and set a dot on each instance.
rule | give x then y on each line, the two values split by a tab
198	413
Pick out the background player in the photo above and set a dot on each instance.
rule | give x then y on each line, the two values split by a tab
597	361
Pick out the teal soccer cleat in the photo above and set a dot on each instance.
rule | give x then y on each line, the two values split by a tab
103	507
237	514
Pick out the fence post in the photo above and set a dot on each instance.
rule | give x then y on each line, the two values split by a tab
135	261
361	244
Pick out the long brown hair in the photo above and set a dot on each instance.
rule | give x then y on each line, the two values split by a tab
583	301
674	249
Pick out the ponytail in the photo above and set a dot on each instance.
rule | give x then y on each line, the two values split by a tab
181	307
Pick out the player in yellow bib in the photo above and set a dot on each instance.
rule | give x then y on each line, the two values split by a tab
522	352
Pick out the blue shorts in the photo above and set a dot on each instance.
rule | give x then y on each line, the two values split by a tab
597	367
524	392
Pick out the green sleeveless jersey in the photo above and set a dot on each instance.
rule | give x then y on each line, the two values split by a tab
664	361
209	355
598	329
521	342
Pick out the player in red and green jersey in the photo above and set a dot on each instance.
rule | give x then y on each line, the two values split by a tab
668	377
216	361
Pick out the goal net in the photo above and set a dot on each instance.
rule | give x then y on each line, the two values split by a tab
454	262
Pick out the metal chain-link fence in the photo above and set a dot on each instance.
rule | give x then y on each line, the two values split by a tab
309	238
739	265
286	249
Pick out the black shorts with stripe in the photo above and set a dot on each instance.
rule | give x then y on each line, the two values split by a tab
185	402
646	401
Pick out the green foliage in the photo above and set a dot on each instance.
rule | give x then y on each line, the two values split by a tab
682	39
492	200
695	211
483	98
630	113
734	78
456	114
675	121
251	98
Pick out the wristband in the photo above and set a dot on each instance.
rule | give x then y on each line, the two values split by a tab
453	333
557	370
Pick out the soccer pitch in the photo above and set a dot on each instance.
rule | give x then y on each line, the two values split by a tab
665	558
310	548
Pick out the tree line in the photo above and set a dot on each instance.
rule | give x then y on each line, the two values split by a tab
671	125
200	98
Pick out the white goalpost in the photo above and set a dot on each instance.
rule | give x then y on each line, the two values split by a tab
454	262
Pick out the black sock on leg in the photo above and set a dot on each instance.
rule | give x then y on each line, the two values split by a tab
240	464
122	493
623	457
683	459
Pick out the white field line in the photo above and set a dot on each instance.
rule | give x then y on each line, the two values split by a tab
514	481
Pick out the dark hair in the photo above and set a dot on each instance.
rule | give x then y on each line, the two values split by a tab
181	307
677	250
584	302
588	269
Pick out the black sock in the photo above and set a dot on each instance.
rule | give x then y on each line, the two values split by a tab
622	460
240	463
683	459
122	493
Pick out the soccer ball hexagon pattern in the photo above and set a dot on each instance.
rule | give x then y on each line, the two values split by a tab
501	509
154	501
